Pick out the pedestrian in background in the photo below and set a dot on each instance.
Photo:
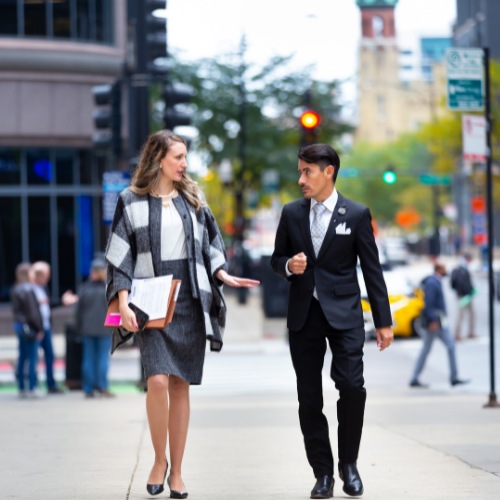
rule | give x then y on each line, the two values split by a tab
461	282
40	277
90	314
435	324
28	326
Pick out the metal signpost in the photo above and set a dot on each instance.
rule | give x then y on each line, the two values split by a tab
492	403
468	89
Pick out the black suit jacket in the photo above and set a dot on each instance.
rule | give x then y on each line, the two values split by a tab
333	272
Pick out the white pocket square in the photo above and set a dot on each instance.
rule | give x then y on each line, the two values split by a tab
341	229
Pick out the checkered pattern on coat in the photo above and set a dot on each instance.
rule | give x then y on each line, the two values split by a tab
134	251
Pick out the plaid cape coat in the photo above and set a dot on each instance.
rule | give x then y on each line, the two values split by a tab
134	251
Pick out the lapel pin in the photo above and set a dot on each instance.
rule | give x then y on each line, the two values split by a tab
341	211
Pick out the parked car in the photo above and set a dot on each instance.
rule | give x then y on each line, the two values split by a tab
396	250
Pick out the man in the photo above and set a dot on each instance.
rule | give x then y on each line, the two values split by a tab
461	282
40	277
318	242
434	322
90	313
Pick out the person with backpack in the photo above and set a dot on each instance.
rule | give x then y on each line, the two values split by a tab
461	282
434	321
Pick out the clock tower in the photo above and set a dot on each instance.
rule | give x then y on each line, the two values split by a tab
380	117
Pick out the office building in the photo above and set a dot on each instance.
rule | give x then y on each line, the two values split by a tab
51	55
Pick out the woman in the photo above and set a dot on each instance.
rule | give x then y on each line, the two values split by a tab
163	226
26	313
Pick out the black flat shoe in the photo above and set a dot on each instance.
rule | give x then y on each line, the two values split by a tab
323	487
352	482
156	489
175	493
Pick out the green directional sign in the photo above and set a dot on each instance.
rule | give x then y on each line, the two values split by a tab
435	180
349	172
465	74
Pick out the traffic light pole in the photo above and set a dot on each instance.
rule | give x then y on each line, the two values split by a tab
139	84
492	402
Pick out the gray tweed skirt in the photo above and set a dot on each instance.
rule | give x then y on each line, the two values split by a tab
179	349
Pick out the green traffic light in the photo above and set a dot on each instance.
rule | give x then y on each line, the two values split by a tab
390	177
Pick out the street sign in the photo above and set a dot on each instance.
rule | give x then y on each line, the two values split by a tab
349	172
270	180
113	183
435	179
479	222
465	79
474	138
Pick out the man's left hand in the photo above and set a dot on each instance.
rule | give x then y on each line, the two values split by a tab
385	337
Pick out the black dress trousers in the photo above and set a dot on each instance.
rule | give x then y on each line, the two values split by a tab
308	347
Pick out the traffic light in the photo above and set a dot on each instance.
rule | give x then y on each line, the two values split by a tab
390	176
107	117
155	33
309	122
176	94
310	119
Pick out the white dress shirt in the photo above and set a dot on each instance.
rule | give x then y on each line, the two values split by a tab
173	237
330	203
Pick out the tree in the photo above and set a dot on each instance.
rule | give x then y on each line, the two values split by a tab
273	97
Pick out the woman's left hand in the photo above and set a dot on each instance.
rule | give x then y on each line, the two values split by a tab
236	282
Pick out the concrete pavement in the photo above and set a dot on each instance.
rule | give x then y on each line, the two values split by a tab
245	440
415	446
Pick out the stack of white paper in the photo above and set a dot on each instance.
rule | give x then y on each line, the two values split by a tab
151	295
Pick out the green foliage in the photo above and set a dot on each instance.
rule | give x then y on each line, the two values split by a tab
406	155
273	101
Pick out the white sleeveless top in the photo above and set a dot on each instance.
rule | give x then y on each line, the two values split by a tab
173	237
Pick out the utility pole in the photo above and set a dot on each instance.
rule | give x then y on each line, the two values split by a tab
492	402
239	221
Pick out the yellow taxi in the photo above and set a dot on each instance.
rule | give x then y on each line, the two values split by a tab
406	305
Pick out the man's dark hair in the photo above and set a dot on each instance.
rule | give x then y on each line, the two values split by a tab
322	155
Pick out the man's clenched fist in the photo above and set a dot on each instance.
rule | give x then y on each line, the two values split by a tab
297	264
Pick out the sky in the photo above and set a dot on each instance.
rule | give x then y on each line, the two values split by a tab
324	33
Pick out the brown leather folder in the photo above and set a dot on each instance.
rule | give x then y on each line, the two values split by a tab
160	324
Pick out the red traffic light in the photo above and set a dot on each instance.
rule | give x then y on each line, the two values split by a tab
310	119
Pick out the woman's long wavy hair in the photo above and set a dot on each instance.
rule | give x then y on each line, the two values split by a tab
147	174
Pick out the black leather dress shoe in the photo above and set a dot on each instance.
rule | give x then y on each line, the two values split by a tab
352	482
323	487
156	489
175	493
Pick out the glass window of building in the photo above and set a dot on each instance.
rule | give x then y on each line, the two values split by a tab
35	17
39	228
8	17
10	243
64	166
86	20
66	242
10	166
39	167
61	19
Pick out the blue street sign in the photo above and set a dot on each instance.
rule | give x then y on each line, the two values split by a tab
113	183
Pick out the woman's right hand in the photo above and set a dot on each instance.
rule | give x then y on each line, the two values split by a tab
129	321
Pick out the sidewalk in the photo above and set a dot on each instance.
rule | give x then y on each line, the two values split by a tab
415	446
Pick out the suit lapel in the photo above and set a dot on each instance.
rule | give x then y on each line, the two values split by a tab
155	213
334	222
305	226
